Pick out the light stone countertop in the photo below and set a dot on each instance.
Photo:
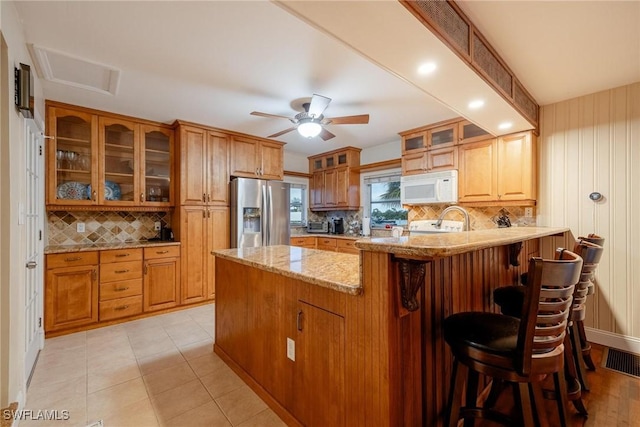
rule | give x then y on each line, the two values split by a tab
334	270
61	249
440	245
327	235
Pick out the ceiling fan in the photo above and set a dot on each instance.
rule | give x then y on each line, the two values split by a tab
311	121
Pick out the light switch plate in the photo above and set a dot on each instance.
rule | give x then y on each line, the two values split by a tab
528	212
291	349
157	225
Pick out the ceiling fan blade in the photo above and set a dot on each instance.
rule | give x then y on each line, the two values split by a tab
281	132
362	119
325	134
258	113
319	103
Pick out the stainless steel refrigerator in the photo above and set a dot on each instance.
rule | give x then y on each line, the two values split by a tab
259	213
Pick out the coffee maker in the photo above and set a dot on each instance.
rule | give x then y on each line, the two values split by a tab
338	226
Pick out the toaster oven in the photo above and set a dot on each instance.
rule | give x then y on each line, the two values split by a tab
318	227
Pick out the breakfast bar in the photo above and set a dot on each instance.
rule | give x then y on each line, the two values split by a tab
340	339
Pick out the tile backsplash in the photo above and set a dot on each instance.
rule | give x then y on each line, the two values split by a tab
103	227
481	218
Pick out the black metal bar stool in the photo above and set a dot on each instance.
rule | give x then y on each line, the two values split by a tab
522	352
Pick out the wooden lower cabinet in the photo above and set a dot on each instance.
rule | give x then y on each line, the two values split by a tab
120	283
327	243
202	229
71	292
308	242
347	246
161	278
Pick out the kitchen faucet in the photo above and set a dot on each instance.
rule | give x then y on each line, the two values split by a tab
454	208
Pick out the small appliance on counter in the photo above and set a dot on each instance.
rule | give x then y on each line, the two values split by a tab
321	227
166	234
338	226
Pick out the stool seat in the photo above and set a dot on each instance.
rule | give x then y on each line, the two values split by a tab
490	332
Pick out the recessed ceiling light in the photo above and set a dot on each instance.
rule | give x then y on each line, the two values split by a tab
427	68
505	125
478	103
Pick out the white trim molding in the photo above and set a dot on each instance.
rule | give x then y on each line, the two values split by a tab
610	339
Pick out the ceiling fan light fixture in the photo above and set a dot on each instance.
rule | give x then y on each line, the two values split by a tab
309	129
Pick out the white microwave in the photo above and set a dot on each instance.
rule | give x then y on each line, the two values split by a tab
428	188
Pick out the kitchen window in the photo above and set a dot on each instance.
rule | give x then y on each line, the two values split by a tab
298	204
382	204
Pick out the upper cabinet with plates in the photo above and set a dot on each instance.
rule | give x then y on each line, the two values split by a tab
100	160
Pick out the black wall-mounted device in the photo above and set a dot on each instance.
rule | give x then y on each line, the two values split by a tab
24	90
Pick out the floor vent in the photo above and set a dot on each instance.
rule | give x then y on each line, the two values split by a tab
621	361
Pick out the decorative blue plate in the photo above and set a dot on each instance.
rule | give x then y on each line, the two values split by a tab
111	191
71	190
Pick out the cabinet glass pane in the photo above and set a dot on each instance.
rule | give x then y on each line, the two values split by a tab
119	163
415	143
330	162
342	159
317	164
73	158
471	130
157	158
444	136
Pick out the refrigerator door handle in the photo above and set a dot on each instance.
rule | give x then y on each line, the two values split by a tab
270	214
265	215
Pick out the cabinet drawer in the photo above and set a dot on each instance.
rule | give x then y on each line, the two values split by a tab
344	243
125	288
119	255
118	271
303	241
326	243
121	307
72	259
172	251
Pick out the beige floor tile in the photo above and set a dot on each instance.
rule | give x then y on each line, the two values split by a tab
186	333
111	400
240	405
209	328
166	379
76	408
196	349
139	325
137	414
207	364
179	400
160	361
147	335
207	415
65	342
150	347
59	371
111	360
221	382
112	375
266	418
175	317
46	394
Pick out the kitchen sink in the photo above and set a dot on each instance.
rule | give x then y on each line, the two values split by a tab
428	226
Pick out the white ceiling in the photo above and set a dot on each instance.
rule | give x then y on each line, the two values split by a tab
215	62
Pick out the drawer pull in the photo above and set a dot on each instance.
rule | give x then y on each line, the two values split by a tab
122	255
76	258
121	271
122	307
299	321
121	289
162	252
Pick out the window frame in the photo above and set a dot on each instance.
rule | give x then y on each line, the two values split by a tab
304	202
371	178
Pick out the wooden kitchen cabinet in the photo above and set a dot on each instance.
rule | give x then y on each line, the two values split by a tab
347	246
499	170
470	132
320	349
202	230
257	158
430	161
337	184
327	243
303	241
102	159
203	166
71	290
161	277
120	283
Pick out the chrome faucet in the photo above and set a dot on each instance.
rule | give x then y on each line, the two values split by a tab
454	208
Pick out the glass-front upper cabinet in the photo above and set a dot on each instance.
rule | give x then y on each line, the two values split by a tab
72	170
157	159
119	157
443	136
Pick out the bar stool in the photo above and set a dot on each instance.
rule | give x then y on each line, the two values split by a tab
522	352
509	298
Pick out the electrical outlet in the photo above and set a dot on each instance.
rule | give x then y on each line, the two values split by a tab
157	225
80	227
291	349
528	212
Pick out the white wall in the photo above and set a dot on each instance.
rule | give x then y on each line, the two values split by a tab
380	153
295	162
588	144
12	196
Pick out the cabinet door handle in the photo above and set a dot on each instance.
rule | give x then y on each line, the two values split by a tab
162	252
121	289
204	197
146	268
142	197
204	213
76	258
208	197
94	195
121	271
208	213
122	307
299	321
94	274
121	255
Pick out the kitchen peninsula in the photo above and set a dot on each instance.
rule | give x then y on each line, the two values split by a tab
338	339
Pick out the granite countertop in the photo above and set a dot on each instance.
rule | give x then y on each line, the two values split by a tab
61	249
446	244
334	270
327	235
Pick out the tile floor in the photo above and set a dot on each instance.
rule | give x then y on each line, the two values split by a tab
158	371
